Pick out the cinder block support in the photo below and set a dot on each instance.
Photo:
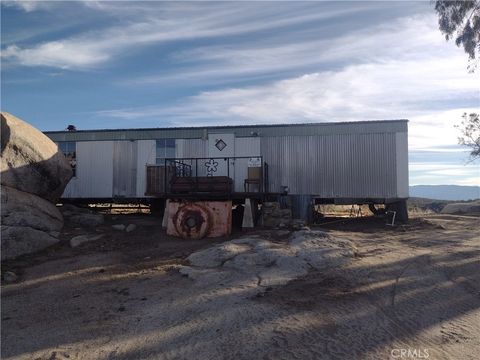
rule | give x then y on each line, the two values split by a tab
247	222
165	214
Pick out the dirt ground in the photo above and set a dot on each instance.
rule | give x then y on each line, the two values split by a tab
413	291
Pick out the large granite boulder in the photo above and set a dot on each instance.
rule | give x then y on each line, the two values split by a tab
20	240
30	161
34	174
23	209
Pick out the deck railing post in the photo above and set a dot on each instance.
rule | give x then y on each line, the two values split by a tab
165	172
262	175
228	173
196	174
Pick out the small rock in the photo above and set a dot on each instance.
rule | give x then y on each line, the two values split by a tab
120	227
80	239
55	234
10	277
130	227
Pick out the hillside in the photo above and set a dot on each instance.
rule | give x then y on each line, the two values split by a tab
445	192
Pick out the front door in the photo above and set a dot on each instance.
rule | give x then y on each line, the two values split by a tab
221	146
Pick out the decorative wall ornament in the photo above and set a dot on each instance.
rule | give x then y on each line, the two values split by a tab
220	144
211	166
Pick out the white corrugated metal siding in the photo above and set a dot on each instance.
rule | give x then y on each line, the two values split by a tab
193	148
94	171
146	153
245	146
71	190
402	164
333	166
125	169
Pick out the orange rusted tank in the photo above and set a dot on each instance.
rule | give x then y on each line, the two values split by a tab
198	219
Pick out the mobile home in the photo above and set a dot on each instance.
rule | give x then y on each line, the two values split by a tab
340	163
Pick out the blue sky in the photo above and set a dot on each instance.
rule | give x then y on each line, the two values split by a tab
153	64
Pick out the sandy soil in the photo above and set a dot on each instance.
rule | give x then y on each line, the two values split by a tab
412	288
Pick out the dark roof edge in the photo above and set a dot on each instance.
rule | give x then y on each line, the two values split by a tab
229	126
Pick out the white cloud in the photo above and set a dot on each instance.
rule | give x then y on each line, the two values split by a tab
435	130
400	70
391	90
427	173
37	5
59	54
149	23
404	39
29	6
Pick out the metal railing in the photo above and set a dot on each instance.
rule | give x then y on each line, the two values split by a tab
219	175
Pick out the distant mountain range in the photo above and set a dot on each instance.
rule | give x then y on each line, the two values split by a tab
445	192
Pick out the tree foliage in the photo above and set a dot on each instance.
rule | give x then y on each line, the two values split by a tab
470	129
461	20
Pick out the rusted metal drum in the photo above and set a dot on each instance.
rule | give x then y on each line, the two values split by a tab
198	219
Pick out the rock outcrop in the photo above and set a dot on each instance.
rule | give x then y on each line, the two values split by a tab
30	161
20	240
472	207
34	174
257	263
22	209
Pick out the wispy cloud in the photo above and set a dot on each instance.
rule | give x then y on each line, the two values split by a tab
407	38
400	70
29	6
393	89
438	173
159	23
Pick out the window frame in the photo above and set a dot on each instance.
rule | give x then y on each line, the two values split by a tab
67	148
164	149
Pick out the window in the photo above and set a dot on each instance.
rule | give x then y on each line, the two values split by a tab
165	149
69	149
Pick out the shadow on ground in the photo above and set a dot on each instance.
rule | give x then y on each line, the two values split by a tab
400	293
